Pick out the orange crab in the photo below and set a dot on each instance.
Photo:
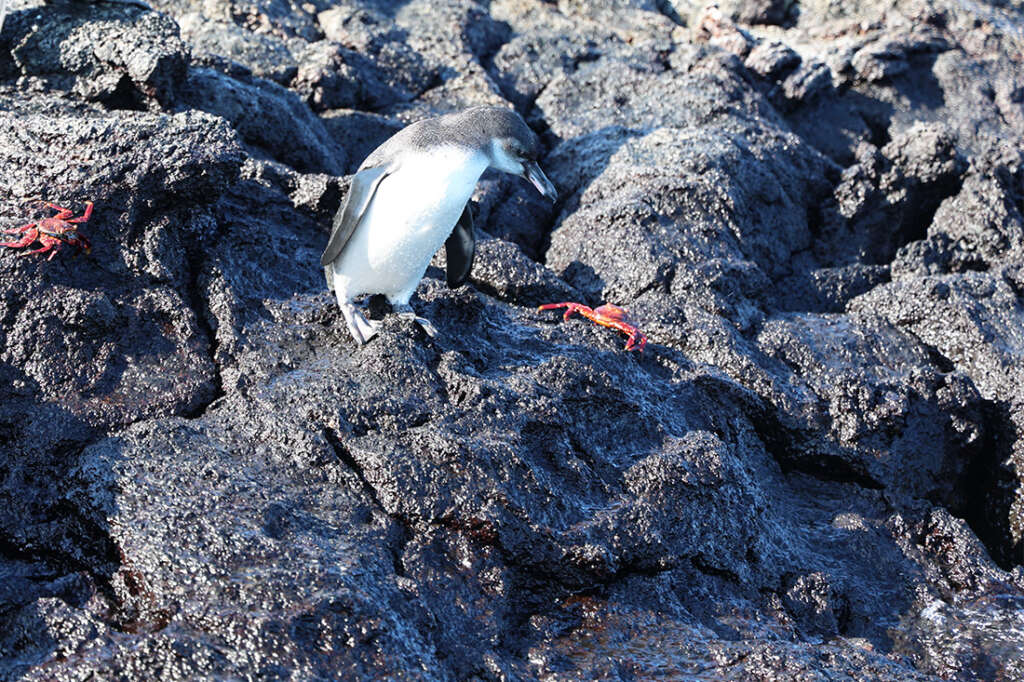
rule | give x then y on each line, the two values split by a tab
53	232
607	315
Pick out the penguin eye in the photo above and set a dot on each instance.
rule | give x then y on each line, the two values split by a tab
515	149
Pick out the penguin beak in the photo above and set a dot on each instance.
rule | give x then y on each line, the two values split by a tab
533	173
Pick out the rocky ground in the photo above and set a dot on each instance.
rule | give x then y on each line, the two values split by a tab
815	470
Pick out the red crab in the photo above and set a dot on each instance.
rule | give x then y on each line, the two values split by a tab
53	232
608	315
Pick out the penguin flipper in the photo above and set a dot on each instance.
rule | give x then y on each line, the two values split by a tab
459	250
360	192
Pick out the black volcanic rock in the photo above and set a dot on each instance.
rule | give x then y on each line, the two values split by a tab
889	196
358	132
120	55
385	72
693	193
887	404
980	228
814	470
266	116
266	55
974	321
755	11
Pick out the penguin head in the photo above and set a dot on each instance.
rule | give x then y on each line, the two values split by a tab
511	146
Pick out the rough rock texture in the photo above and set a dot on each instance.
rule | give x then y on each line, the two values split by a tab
815	470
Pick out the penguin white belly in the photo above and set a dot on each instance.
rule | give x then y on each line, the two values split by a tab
411	215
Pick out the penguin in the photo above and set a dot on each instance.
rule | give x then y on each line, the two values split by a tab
410	196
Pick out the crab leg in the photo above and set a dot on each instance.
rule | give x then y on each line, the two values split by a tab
84	217
570	309
636	340
24	241
626	328
62	213
51	246
19	230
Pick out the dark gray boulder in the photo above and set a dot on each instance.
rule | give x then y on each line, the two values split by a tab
980	228
120	55
267	116
264	54
953	314
379	74
889	196
888	404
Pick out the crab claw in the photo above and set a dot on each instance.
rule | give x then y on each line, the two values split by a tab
84	244
636	340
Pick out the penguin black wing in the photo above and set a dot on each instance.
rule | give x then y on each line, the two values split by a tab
459	250
360	192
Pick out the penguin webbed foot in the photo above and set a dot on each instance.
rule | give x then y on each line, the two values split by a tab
406	312
427	325
362	330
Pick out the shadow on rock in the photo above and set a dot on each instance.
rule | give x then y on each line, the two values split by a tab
55	567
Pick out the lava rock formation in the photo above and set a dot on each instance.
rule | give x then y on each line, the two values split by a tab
815	470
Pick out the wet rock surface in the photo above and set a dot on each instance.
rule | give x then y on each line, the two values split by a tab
815	469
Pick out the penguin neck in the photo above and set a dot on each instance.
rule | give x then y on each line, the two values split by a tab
452	171
460	165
